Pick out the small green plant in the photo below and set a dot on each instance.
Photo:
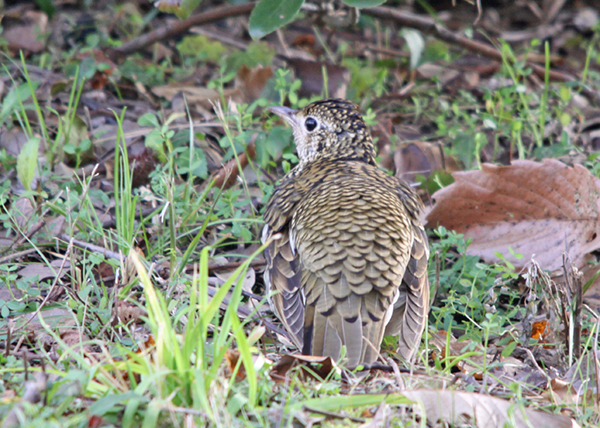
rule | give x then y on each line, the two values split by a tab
287	87
469	289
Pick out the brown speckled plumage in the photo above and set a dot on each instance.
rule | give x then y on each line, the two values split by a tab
350	265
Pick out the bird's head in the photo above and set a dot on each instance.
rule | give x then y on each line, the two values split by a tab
329	128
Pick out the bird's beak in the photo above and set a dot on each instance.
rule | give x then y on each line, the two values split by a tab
286	113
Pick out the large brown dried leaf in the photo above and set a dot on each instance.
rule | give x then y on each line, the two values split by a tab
457	408
537	209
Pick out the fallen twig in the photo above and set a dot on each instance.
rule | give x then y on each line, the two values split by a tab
95	248
178	27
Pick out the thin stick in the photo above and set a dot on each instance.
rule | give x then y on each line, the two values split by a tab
179	27
94	248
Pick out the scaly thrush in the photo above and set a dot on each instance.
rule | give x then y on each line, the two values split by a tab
349	260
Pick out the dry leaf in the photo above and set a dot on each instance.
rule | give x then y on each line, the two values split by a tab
310	364
75	339
24	211
228	174
478	410
538	331
28	34
562	393
231	359
13	141
538	209
129	313
421	157
592	295
378	419
310	73
582	376
252	81
43	271
382	132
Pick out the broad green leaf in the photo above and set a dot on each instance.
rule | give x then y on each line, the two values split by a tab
508	350
148	119
11	100
363	3
269	15
416	44
27	162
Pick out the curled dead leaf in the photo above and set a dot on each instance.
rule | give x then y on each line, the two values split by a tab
538	330
128	313
226	176
310	365
231	360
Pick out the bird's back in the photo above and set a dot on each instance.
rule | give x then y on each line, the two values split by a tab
352	232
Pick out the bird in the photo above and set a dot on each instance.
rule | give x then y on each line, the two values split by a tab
346	252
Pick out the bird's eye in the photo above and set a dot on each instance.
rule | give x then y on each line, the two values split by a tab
310	124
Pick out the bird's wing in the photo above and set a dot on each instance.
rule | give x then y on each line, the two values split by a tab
282	277
412	307
282	274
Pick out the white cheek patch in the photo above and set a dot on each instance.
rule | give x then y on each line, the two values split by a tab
300	139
